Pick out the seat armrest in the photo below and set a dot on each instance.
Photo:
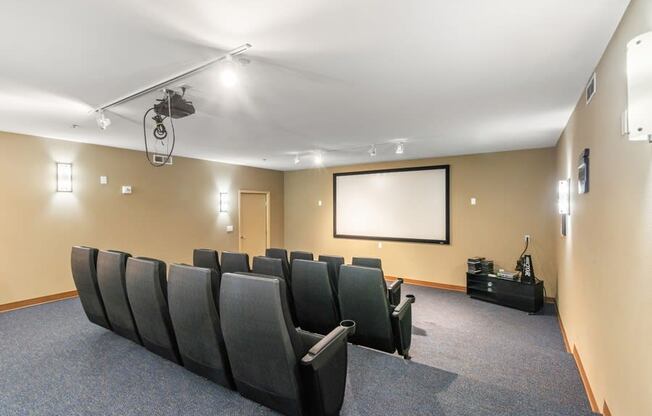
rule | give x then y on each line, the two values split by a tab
394	291
402	308
324	370
402	326
320	353
395	285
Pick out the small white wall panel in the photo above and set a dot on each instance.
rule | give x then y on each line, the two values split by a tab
639	87
397	204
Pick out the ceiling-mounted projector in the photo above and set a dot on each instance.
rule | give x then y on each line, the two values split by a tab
174	105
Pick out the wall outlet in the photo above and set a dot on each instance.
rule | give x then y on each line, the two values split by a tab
527	238
380	244
319	203
473	201
126	189
104	180
229	228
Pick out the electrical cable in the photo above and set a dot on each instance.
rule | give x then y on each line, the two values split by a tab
174	137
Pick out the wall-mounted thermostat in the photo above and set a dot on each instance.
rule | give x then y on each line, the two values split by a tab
126	189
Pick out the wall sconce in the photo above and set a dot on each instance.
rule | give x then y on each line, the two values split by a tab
639	87
64	177
224	202
563	197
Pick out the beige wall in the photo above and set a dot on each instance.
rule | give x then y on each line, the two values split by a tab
515	194
171	211
605	282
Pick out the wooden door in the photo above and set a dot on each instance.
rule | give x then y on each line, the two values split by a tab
253	223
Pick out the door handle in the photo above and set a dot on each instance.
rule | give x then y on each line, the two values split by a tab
242	237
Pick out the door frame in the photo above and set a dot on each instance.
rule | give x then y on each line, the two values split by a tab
267	216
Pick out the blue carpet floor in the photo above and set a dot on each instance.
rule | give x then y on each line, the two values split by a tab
469	358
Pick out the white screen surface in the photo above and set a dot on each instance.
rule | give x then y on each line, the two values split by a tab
406	205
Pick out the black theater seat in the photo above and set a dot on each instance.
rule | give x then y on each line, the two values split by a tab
111	277
315	302
300	255
334	263
235	262
147	292
379	325
289	370
393	289
267	266
281	254
206	258
83	262
194	313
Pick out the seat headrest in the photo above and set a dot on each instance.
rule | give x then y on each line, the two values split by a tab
268	266
367	262
207	258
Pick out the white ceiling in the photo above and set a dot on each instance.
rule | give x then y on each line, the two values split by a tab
450	77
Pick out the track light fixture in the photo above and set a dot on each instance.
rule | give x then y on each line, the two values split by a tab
399	148
102	121
228	75
372	151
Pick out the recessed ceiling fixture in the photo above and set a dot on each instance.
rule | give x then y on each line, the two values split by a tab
399	148
102	121
372	151
296	159
319	158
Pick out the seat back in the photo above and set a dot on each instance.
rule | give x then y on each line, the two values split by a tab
315	303
300	255
196	322
268	266
282	254
83	263
363	299
334	263
206	258
235	262
263	346
367	262
147	293
111	278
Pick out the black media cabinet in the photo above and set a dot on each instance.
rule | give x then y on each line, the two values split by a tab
523	296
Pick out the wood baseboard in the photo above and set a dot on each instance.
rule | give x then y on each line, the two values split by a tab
444	286
605	409
580	368
37	301
585	381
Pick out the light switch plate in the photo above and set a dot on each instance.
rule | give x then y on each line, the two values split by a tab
229	228
104	180
126	189
319	203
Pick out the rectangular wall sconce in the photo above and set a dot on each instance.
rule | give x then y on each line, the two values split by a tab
224	202
639	87
64	177
563	197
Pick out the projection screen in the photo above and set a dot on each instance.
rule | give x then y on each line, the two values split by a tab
408	204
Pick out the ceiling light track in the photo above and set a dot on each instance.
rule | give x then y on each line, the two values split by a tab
162	84
372	151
